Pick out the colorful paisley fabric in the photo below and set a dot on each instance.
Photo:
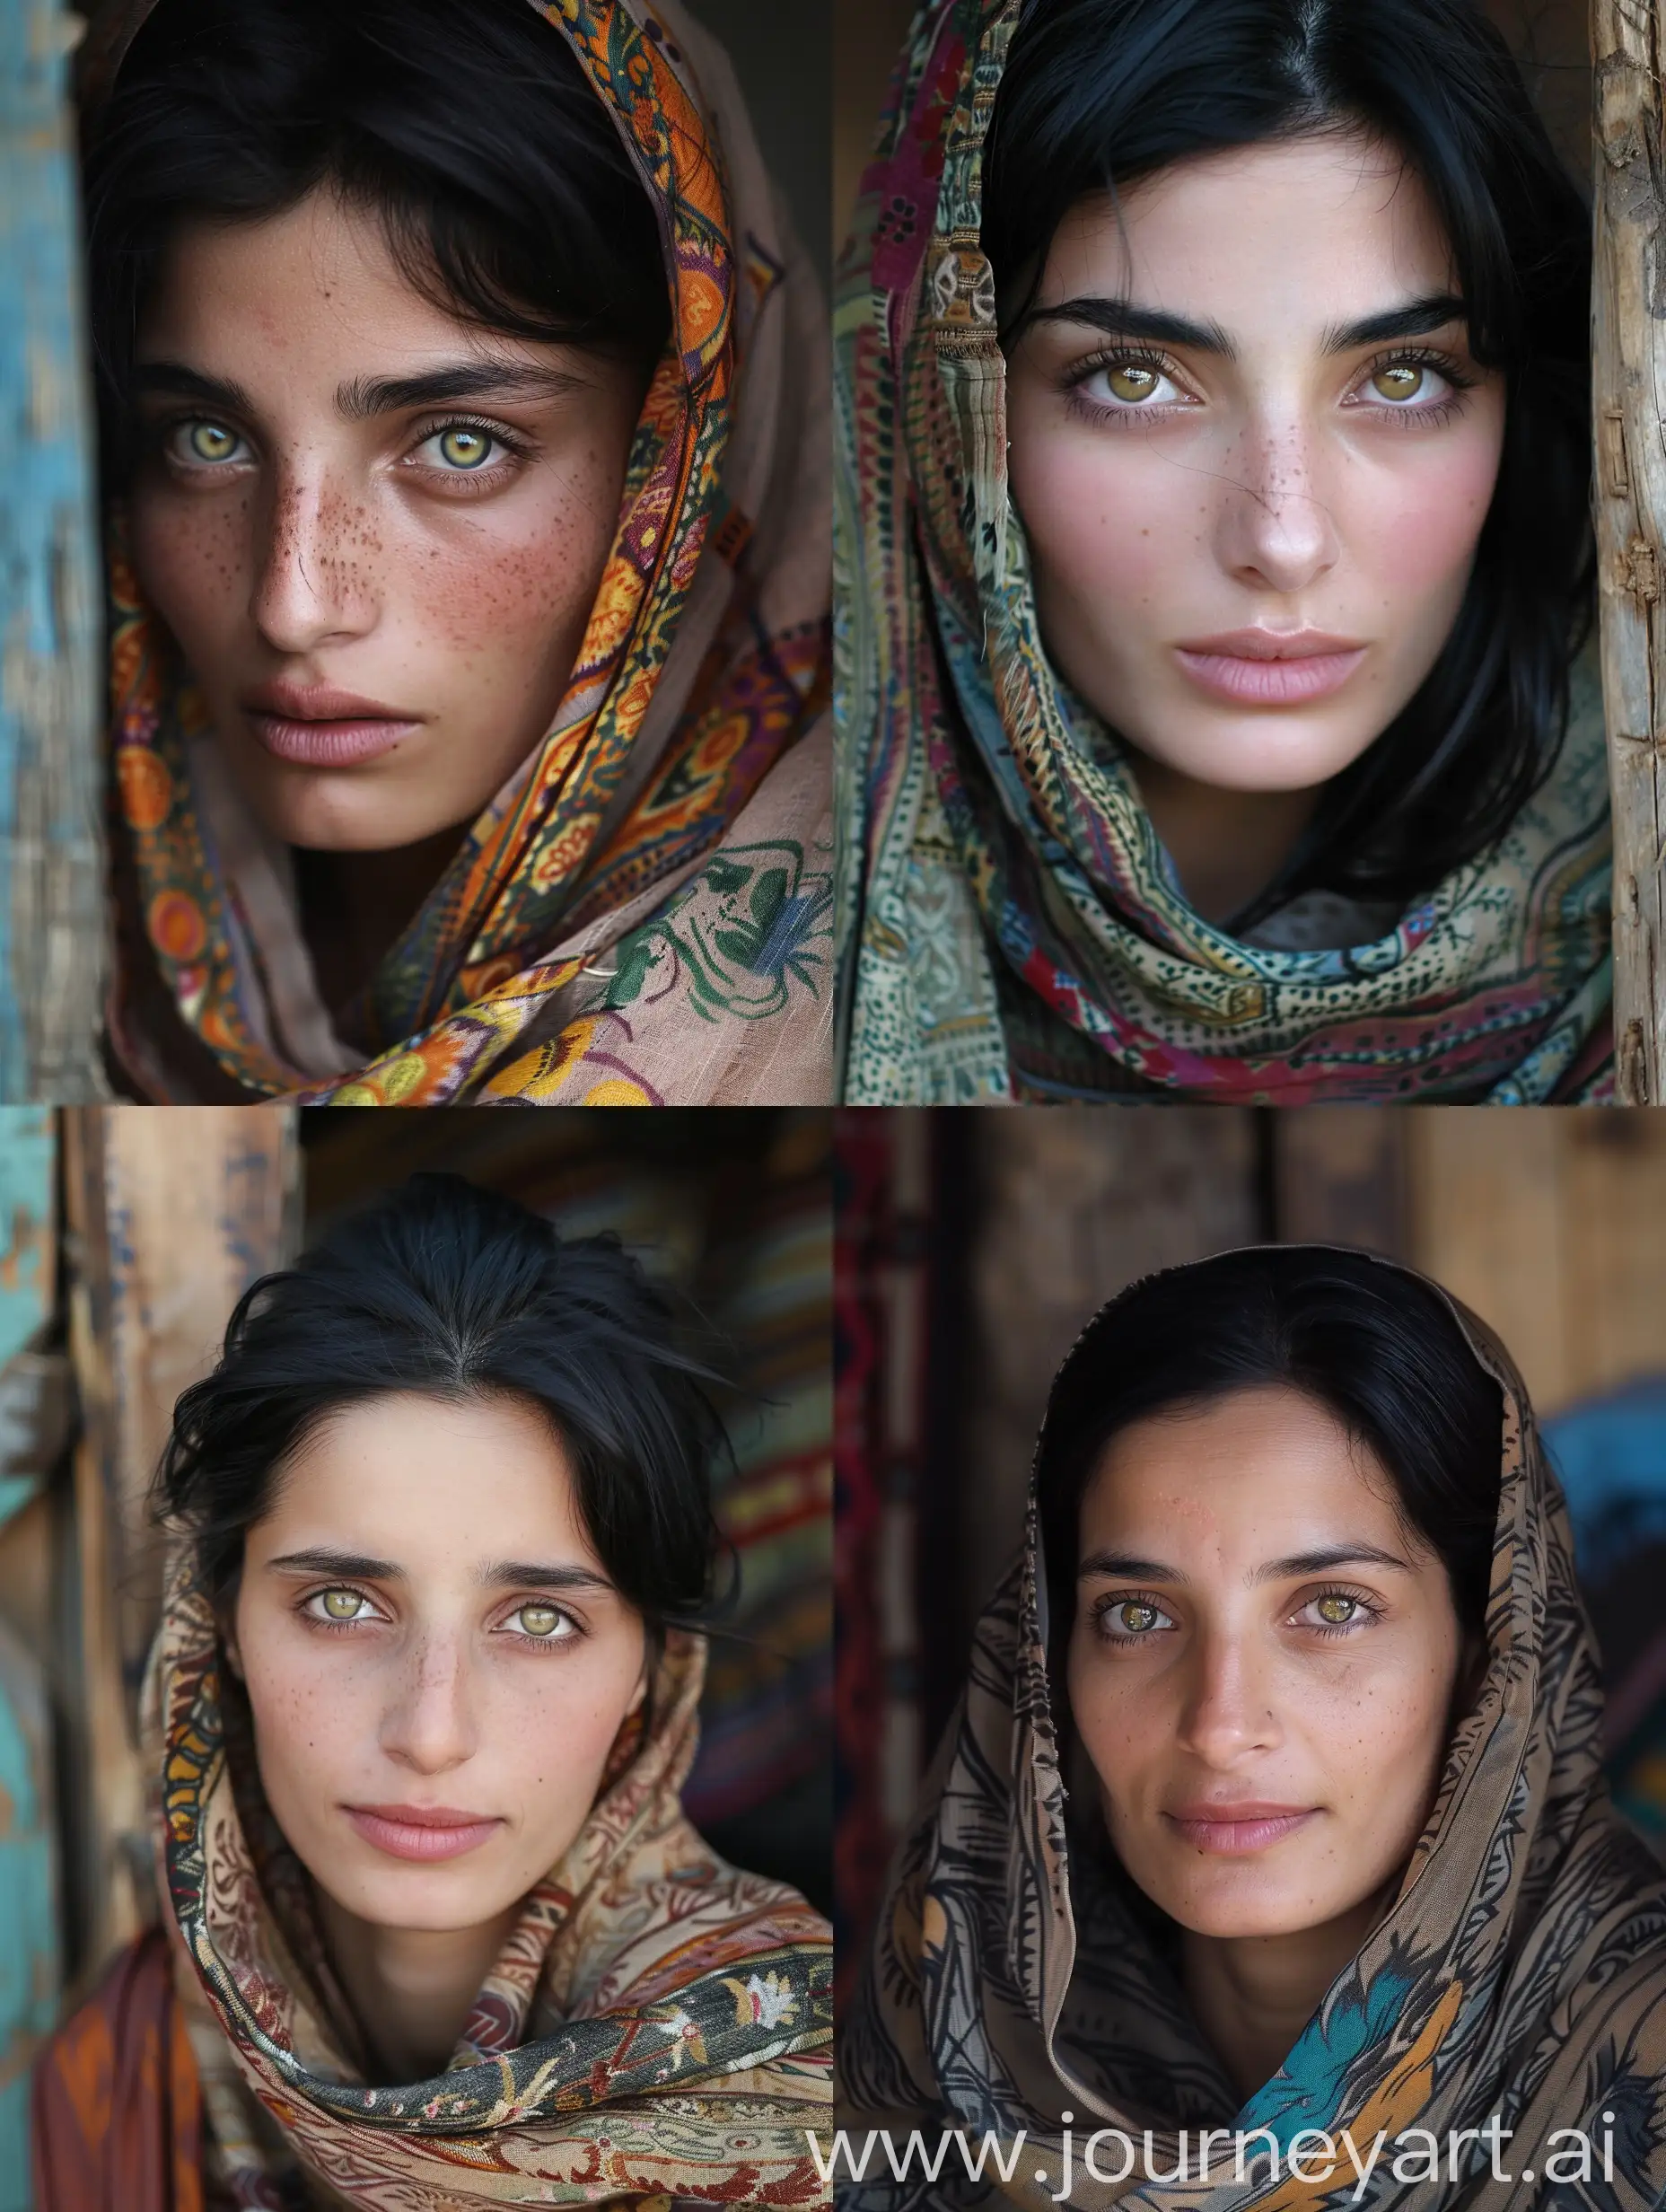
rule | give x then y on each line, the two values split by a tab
657	2029
1016	1975
1007	928
644	914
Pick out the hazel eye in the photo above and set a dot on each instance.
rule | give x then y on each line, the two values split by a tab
1118	386
206	442
1128	1619
548	1623
1398	381
341	1604
1337	1610
1130	380
462	448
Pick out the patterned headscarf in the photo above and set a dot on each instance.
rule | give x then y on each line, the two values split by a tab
1008	925
1016	1975
643	914
657	2027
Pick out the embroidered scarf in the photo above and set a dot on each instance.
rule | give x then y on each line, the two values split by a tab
657	2028
642	915
1521	1970
1008	928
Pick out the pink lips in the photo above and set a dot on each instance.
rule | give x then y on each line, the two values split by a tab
1233	1830
1270	668
424	1832
315	725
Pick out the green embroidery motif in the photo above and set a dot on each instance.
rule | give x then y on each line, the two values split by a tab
738	937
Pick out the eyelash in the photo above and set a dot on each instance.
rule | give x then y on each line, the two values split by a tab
348	1627
1368	1608
515	450
1439	412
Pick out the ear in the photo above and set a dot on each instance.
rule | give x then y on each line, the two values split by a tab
639	1693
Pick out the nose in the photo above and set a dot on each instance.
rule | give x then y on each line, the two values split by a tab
1276	530
313	580
429	1723
1227	1709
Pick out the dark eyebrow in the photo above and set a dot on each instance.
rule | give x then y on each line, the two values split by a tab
376	395
1412	319
461	379
1123	319
1328	1556
214	392
518	1574
1126	1564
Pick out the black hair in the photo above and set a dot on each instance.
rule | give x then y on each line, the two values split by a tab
1379	1350
1099	93
503	187
441	1287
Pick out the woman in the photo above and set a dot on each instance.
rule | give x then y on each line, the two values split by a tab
1297	1619
461	396
423	1696
1214	522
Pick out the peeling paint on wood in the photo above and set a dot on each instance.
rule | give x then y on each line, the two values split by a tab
1629	38
52	956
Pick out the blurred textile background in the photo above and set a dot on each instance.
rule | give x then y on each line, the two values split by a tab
971	1247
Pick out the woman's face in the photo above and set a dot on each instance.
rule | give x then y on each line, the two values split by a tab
423	1624
375	530
1262	1666
1253	455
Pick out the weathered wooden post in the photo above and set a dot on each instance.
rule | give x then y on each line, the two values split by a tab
51	869
172	1213
1628	44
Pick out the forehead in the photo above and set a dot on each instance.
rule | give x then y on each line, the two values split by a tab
316	281
435	1484
1263	1470
1316	231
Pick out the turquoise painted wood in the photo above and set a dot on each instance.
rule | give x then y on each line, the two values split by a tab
51	904
34	1427
29	1966
27	1154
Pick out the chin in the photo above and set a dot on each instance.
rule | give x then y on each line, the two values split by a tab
1255	754
1255	1908
314	812
420	1902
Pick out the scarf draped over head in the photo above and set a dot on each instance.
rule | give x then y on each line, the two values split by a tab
643	914
657	2026
1016	1975
1009	925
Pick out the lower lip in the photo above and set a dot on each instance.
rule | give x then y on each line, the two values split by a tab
420	1843
326	744
1270	683
1234	1838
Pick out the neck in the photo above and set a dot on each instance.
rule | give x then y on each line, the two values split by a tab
1253	1995
355	906
412	1988
1226	846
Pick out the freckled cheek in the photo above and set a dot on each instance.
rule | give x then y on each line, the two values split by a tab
1112	528
505	582
193	560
